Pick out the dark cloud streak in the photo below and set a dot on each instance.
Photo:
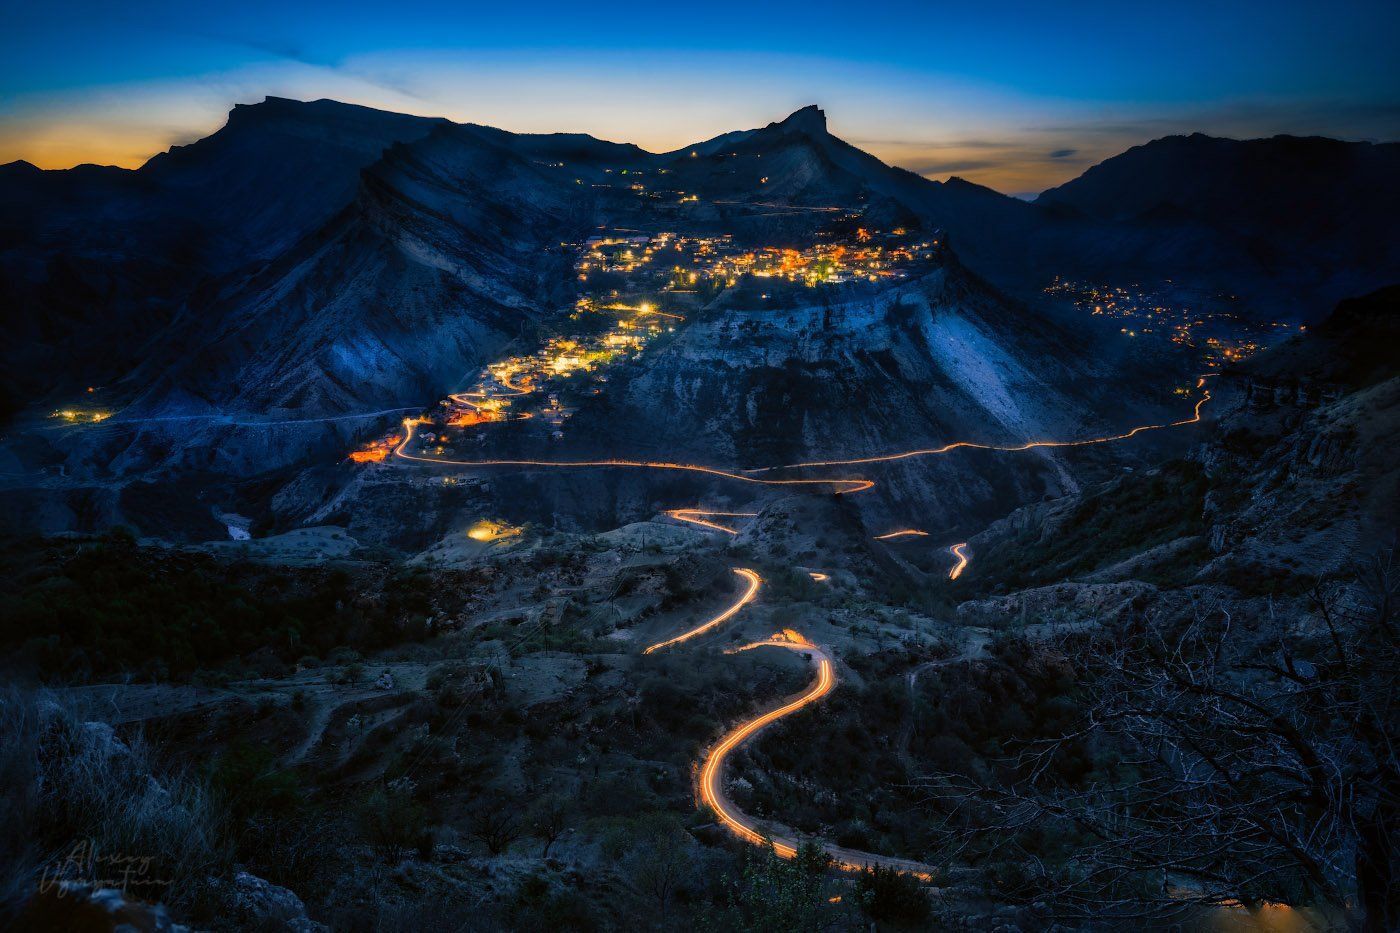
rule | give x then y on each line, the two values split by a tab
294	52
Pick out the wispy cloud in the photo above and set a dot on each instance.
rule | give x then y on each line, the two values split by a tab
289	50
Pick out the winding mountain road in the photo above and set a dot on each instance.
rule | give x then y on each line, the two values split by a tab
784	841
711	791
843	485
1005	448
961	565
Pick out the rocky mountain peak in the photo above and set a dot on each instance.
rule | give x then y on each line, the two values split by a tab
810	120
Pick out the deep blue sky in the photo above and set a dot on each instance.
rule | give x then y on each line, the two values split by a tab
1017	95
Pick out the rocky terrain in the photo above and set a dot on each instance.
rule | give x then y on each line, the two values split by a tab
375	553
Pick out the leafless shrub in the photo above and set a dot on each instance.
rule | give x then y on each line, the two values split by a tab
496	822
1254	768
550	817
660	864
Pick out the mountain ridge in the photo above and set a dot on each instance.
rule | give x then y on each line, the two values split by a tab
417	249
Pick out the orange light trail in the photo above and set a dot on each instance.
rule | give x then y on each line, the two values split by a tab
903	533
652	312
518	390
843	485
754	581
512	391
693	517
957	570
1005	448
712	771
852	485
711	790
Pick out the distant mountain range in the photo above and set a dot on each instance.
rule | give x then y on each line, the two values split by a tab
1302	222
96	261
317	260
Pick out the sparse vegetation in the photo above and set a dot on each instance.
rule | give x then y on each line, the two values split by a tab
79	799
83	608
1126	517
423	672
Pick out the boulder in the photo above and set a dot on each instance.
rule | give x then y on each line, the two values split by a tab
255	902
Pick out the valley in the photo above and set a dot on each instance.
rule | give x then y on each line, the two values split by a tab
547	386
539	532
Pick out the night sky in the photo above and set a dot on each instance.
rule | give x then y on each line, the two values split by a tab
1018	96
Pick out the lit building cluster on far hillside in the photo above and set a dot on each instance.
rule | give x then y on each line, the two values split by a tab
1195	320
692	262
634	287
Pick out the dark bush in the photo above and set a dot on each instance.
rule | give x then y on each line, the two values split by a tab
892	897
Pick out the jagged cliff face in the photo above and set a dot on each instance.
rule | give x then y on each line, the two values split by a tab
937	360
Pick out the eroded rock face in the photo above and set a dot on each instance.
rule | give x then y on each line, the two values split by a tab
941	359
455	242
1300	490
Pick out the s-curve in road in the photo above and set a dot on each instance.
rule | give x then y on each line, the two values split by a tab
785	842
961	565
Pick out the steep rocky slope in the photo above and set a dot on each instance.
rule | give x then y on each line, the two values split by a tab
98	259
95	259
936	360
1294	481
